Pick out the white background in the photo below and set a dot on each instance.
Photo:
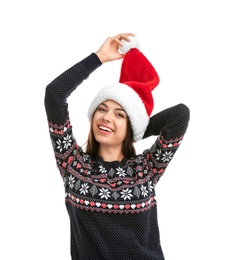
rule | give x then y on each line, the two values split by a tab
190	43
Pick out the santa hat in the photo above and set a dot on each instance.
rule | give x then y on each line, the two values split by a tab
134	90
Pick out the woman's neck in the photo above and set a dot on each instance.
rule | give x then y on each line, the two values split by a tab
110	154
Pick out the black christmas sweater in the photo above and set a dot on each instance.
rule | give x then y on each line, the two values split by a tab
112	205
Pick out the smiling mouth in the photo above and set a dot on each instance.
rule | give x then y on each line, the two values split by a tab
103	128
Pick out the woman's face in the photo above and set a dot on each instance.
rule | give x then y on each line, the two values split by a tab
109	124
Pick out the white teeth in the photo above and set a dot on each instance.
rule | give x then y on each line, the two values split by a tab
105	128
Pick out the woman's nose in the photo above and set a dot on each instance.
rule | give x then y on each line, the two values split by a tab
107	117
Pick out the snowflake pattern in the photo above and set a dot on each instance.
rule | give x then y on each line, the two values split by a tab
84	188
67	141
167	156
144	190
71	181
104	193
126	194
121	172
102	169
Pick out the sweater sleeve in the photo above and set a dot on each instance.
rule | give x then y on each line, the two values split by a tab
170	123
61	87
170	126
57	92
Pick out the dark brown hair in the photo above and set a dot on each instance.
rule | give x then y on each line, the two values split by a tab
128	148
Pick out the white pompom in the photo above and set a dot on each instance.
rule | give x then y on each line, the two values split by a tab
126	46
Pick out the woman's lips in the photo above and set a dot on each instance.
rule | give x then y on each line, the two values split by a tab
105	128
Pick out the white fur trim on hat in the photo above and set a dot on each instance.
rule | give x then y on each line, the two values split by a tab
130	102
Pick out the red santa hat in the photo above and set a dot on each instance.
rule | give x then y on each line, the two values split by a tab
134	90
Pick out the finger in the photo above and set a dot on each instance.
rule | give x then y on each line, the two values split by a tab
124	36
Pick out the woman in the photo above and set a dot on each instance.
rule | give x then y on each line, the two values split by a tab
110	191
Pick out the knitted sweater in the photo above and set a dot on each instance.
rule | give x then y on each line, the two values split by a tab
111	205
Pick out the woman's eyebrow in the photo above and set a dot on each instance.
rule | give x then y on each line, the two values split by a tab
120	109
103	104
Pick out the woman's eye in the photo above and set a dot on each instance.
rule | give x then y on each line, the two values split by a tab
101	109
119	115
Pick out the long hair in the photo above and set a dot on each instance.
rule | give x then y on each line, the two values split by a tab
128	148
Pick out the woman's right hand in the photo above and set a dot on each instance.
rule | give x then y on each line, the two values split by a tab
109	51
